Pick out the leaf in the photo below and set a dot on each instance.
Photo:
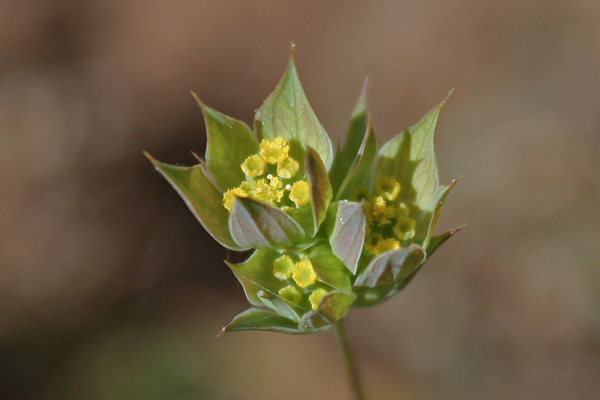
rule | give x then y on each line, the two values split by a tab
333	306
397	161
348	235
329	268
437	208
354	139
320	187
437	241
391	266
361	167
287	113
228	143
256	275
279	305
202	198
256	319
257	225
427	221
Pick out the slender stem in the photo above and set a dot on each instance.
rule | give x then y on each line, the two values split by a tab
344	345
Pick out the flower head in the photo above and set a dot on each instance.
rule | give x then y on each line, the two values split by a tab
274	151
327	231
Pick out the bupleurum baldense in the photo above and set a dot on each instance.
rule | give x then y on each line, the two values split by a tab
328	231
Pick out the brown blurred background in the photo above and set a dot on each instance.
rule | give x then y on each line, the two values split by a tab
109	289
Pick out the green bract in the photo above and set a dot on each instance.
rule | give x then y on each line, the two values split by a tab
328	231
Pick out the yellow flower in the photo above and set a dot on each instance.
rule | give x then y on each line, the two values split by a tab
304	274
291	294
274	151
316	297
405	228
379	206
388	188
283	266
230	195
299	193
371	240
267	190
274	182
287	168
402	210
254	166
386	245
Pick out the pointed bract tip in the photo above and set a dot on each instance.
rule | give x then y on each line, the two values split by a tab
292	50
365	86
197	157
200	102
443	103
149	157
222	331
460	228
362	100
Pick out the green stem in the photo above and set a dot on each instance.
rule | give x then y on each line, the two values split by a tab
342	338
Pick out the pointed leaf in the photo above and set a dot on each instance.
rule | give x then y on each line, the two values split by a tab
348	235
320	188
361	166
391	266
420	157
427	221
257	225
437	208
279	305
256	319
332	307
228	143
202	198
287	113
437	241
354	139
329	268
256	275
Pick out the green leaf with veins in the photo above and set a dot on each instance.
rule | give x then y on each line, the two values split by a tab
202	198
256	275
409	157
258	225
228	143
287	112
257	319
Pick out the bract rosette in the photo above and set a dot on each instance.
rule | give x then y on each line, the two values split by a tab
327	231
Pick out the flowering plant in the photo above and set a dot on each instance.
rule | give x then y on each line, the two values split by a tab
329	231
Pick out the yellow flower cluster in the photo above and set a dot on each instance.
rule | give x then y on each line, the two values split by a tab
265	174
301	276
388	221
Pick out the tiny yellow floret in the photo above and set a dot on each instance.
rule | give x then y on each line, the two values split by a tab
386	245
287	168
304	273
402	210
316	297
299	193
405	228
254	166
388	188
274	182
274	151
291	294
230	195
379	206
283	267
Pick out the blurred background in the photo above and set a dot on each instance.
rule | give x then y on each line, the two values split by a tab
109	288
